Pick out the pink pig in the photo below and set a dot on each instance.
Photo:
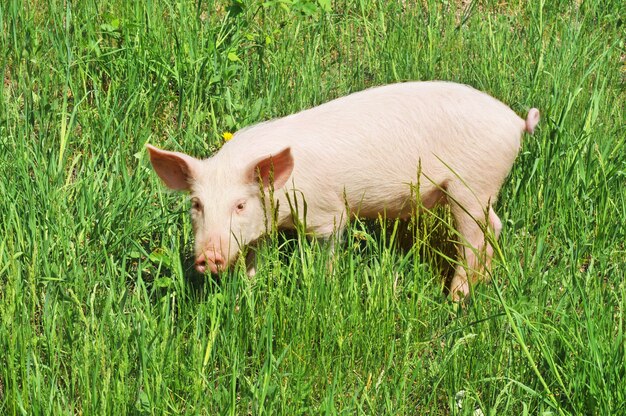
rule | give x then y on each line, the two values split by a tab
358	155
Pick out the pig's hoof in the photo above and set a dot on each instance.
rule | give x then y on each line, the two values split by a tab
459	290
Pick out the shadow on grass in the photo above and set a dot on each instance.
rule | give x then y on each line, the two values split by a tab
428	237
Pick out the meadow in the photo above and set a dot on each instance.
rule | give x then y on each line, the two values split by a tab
101	311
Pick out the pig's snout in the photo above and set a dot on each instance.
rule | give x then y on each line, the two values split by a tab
212	260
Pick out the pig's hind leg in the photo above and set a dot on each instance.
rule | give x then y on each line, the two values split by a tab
476	224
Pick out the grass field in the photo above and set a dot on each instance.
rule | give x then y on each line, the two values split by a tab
102	313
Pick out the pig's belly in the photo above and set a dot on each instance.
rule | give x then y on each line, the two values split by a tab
398	203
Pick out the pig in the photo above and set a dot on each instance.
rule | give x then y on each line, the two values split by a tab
366	154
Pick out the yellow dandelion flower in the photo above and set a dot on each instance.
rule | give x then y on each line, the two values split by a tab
227	136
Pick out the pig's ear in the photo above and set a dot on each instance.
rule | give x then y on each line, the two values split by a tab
276	167
176	170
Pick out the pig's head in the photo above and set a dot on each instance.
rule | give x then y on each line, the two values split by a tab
226	199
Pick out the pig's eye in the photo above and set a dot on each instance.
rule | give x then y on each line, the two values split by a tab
196	205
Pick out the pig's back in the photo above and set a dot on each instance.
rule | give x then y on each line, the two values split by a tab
377	137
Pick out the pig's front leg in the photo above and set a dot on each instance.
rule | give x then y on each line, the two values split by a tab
331	242
329	229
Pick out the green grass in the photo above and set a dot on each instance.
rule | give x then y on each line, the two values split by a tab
102	313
